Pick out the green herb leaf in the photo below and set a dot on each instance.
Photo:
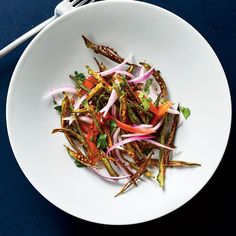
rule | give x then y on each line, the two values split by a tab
102	141
85	103
145	102
141	95
79	164
113	125
147	86
185	111
58	108
79	77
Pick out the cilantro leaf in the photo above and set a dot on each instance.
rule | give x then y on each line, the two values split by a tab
185	111
85	103
79	77
102	141
113	125
58	108
145	102
147	86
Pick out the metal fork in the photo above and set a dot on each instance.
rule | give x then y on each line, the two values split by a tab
62	8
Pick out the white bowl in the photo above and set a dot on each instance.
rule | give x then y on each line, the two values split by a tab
195	79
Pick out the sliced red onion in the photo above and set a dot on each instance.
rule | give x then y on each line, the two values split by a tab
86	119
128	140
70	119
80	101
111	101
113	110
143	126
173	111
141	71
119	138
125	73
115	138
158	125
54	97
158	144
143	77
110	178
68	89
118	67
131	135
115	135
118	155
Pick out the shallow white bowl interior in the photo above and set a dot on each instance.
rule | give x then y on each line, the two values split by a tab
194	77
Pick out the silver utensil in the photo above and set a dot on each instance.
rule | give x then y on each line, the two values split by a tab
62	8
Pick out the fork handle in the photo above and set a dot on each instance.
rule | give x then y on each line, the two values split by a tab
24	37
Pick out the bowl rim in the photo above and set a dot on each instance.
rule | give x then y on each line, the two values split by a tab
68	15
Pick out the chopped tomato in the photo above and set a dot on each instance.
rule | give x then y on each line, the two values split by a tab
160	110
154	120
89	83
91	140
85	127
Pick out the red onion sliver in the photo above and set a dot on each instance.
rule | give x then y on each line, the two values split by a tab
158	144
158	125
141	71
110	177
111	101
118	67
125	73
142	78
79	101
67	89
118	155
113	110
70	119
131	135
86	119
119	138
143	126
128	140
115	135
115	138
54	97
